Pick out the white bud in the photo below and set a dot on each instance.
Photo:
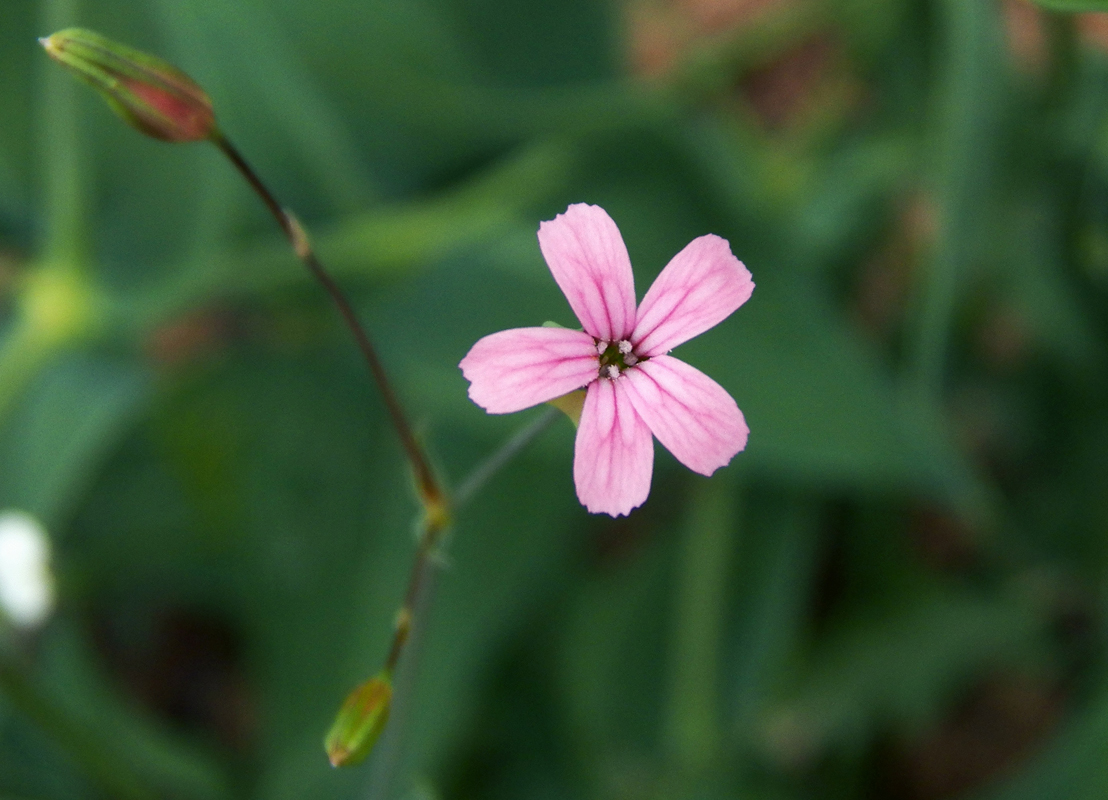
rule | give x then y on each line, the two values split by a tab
26	583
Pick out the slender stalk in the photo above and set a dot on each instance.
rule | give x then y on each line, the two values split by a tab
964	146
435	526
431	495
693	722
494	463
389	753
429	538
437	507
63	172
420	589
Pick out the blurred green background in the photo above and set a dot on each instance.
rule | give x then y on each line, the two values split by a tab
896	591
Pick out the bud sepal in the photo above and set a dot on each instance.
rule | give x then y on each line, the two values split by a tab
148	93
360	721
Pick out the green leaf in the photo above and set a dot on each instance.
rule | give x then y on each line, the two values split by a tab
248	42
537	44
65	424
148	750
390	240
17	65
899	669
1074	5
610	668
315	562
777	567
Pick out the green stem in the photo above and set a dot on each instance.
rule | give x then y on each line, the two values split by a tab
389	752
434	528
970	88
481	474
693	724
429	538
417	599
64	236
437	507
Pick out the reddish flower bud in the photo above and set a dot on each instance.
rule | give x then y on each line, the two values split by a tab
149	94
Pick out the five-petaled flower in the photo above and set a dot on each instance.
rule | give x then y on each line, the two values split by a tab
633	388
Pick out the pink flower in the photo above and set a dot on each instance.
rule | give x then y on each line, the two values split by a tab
633	388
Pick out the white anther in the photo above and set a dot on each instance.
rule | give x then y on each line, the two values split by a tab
613	371
625	347
601	347
630	359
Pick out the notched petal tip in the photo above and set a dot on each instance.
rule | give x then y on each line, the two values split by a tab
586	255
613	459
699	288
692	415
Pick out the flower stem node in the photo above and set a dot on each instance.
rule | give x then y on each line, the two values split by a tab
436	515
301	244
150	94
360	721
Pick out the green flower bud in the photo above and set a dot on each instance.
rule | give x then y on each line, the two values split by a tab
149	94
359	722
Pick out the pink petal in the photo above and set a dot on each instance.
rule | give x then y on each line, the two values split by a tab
614	456
519	368
692	415
589	261
699	288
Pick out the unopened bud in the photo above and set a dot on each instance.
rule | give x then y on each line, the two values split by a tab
359	722
149	94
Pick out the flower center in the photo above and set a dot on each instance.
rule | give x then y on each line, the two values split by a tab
615	357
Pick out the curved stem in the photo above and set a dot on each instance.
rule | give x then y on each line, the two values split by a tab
64	175
431	495
420	588
437	507
435	526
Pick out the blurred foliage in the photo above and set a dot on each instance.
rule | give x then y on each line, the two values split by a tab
897	591
1074	5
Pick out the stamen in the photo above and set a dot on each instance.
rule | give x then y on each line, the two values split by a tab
601	346
630	359
625	347
613	371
